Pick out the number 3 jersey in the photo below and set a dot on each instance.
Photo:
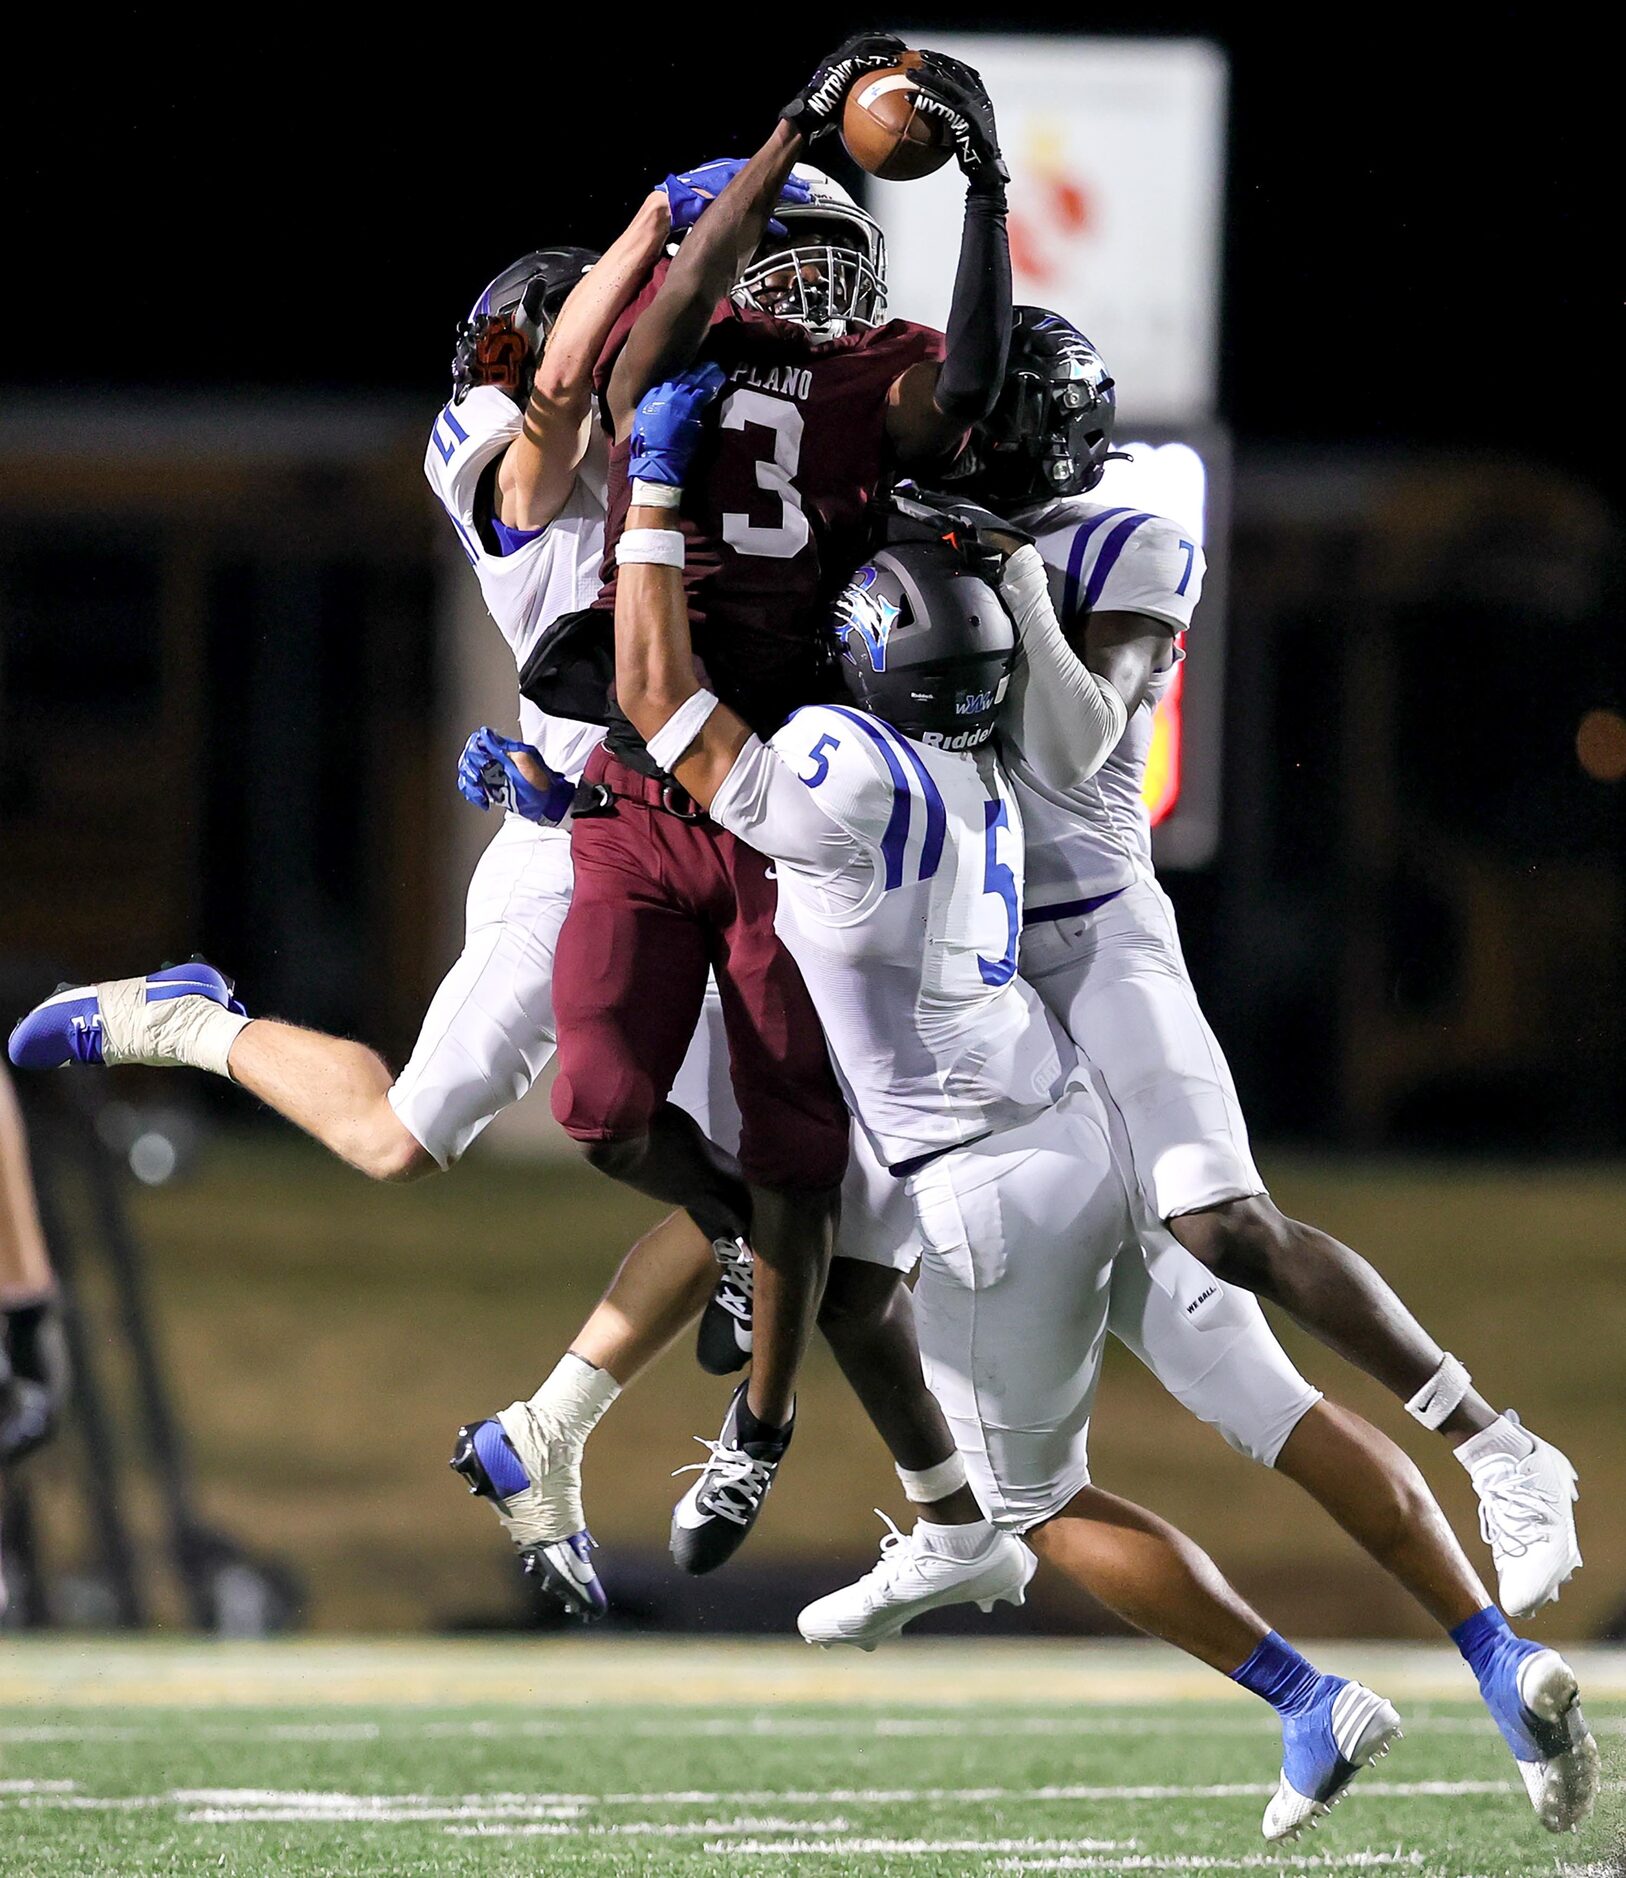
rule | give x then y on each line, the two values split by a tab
774	509
1093	837
545	572
900	888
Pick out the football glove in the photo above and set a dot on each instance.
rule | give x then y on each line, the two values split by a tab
952	93
816	108
692	192
34	1376
670	423
488	776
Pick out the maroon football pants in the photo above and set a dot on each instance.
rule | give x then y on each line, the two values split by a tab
660	900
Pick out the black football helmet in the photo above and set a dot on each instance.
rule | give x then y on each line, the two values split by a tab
501	340
925	642
1050	434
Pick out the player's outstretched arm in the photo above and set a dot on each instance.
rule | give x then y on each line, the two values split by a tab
668	332
687	730
538	469
932	406
667	336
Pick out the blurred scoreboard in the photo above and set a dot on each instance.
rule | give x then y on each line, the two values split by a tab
1116	149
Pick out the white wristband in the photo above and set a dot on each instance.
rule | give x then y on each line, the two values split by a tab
1441	1395
650	547
923	1485
667	745
655	495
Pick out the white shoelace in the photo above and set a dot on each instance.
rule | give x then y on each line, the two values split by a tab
1513	1511
898	1554
736	1286
737	1474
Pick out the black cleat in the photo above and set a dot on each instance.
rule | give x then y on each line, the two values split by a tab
712	1520
723	1343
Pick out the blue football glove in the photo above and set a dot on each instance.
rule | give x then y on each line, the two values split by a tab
690	194
670	423
488	777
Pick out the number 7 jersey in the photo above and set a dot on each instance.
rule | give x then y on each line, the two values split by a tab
775	507
900	892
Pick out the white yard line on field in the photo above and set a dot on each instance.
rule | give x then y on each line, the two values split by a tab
1252	1861
216	1803
1068	1860
1083	1723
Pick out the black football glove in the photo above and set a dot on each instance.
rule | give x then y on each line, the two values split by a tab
953	94
34	1377
816	108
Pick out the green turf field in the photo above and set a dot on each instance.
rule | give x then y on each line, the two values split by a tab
605	1756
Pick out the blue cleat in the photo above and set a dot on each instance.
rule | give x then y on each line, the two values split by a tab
156	1019
1534	1699
538	1500
1342	1730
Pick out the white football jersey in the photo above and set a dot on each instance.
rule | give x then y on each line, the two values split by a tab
900	894
1095	837
554	573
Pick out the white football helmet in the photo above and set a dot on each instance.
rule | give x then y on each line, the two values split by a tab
828	271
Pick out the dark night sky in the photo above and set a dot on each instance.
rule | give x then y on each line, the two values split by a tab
1423	227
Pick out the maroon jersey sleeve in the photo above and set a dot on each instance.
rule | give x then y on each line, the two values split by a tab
629	319
776	505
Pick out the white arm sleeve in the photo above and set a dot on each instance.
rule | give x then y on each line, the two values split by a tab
815	798
1062	721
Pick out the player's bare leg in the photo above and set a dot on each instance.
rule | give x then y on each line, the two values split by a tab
793	1238
1152	1576
954	1555
1157	1579
1374	1491
659	1289
1526	1487
1328	1290
869	1324
526	1460
334	1089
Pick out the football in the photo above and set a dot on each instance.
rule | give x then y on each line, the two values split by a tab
884	131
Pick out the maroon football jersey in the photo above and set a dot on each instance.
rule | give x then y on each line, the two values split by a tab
774	508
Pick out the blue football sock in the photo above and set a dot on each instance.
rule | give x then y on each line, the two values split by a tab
1481	1638
1280	1676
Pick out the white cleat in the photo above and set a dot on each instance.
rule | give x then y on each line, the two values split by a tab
913	1578
1563	1784
1323	1752
1527	1492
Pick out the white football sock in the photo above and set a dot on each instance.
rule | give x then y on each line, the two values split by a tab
574	1398
1502	1437
955	1541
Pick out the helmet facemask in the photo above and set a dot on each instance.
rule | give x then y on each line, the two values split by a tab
826	273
